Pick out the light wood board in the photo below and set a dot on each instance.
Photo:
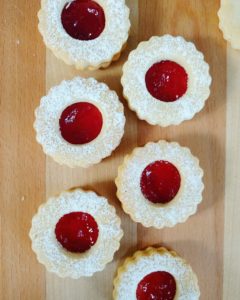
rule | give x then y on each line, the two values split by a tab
209	240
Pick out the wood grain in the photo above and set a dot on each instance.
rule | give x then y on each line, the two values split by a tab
22	165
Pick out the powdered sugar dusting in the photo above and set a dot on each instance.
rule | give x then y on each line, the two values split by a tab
151	260
52	254
155	50
82	54
185	202
65	94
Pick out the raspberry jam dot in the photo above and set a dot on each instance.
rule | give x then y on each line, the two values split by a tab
80	123
157	286
166	81
77	232
160	182
83	19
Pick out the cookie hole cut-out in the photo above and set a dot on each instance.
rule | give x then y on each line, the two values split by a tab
77	232
167	81
80	123
83	19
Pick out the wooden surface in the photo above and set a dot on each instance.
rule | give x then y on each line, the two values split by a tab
22	164
209	240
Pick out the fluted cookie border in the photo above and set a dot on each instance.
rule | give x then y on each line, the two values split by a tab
185	202
66	93
92	54
49	251
144	262
157	49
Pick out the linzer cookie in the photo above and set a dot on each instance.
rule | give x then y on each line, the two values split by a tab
158	274
166	80
75	234
79	122
85	33
160	184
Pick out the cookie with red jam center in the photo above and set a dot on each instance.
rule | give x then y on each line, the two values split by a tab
155	274
168	85
69	233
160	184
85	33
79	122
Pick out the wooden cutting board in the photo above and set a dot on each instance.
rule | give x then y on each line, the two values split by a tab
209	240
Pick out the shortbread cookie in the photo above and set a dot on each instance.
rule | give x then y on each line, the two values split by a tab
75	234
79	122
87	34
166	80
229	17
155	273
160	184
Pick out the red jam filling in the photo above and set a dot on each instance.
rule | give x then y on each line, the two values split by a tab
83	19
80	123
160	182
166	81
157	286
77	232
